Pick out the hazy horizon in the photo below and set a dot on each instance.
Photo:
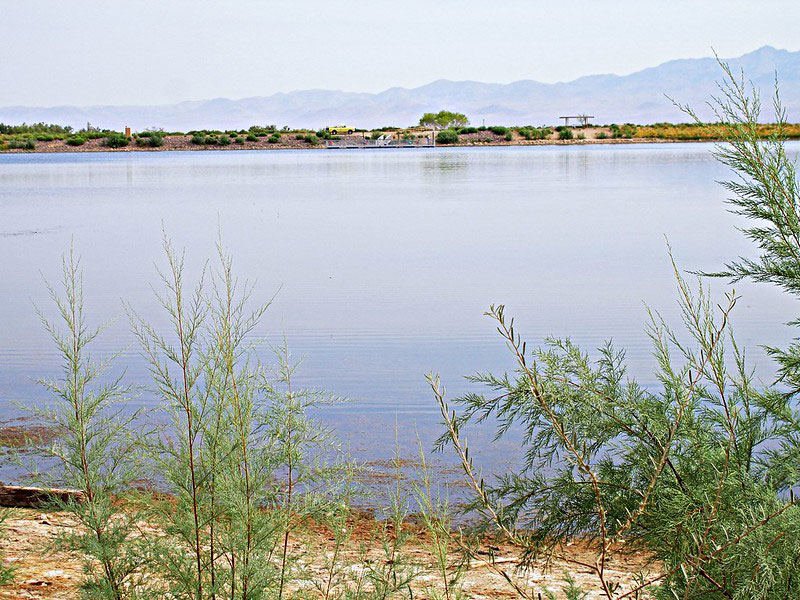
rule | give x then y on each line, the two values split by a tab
98	53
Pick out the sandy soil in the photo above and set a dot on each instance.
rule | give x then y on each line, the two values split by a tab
43	575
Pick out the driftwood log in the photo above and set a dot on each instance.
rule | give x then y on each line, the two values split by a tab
15	496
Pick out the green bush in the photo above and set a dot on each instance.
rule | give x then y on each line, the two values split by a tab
150	139
211	140
224	140
239	140
274	138
262	131
466	130
565	133
509	136
252	138
601	135
116	140
534	133
627	131
198	139
77	140
698	470
34	128
22	144
447	136
311	139
498	130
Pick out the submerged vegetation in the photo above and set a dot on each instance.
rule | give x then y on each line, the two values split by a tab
698	476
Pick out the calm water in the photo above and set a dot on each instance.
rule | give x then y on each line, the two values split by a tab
383	261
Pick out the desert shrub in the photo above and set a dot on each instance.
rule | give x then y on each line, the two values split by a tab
150	139
239	139
565	133
467	130
24	144
699	471
311	139
265	131
243	457
581	136
251	138
509	136
626	131
116	140
211	140
499	130
224	140
299	136
447	136
35	128
275	138
94	452
601	135
534	133
198	139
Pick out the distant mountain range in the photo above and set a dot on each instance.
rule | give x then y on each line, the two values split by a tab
638	98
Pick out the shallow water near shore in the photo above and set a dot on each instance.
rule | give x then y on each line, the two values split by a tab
381	263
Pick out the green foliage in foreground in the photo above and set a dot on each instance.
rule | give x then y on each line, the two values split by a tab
94	453
699	473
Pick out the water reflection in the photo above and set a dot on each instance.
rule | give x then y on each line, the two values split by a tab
385	260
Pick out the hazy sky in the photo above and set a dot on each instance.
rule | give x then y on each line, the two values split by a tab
159	51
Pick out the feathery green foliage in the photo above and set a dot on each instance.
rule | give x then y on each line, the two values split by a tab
93	454
244	463
699	473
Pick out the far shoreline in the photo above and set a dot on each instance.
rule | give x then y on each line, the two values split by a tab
58	147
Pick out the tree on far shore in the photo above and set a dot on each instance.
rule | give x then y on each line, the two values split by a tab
444	119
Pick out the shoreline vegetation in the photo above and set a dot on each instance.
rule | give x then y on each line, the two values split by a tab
684	490
49	138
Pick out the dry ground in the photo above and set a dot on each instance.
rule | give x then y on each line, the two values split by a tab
42	575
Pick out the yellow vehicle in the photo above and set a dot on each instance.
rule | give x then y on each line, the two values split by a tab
340	130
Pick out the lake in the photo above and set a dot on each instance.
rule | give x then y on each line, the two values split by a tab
381	262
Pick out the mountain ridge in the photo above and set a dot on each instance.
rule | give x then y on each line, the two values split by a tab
638	97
